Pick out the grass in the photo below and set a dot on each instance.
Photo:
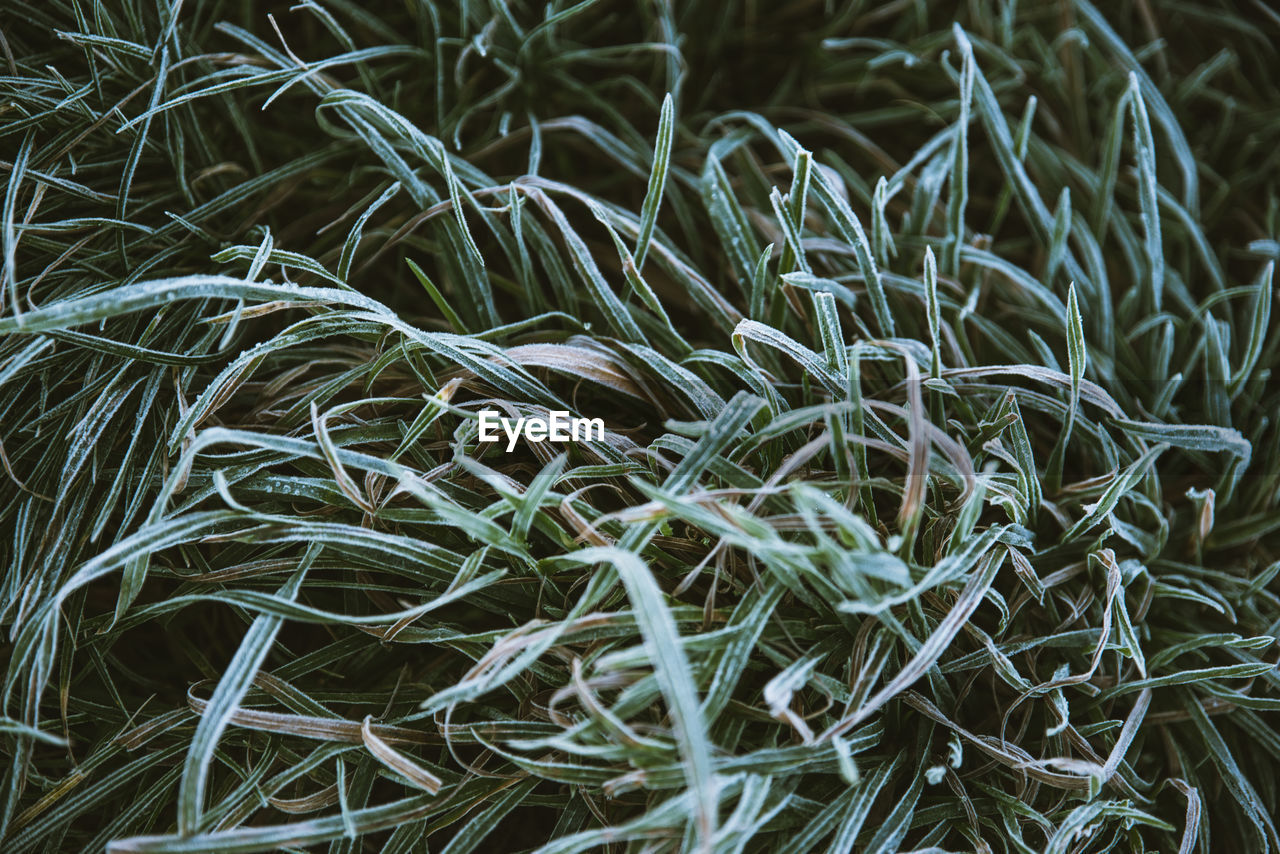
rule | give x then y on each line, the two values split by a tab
938	504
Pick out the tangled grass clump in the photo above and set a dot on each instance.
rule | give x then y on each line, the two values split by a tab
937	508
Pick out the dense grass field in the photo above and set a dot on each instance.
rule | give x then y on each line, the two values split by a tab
937	508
